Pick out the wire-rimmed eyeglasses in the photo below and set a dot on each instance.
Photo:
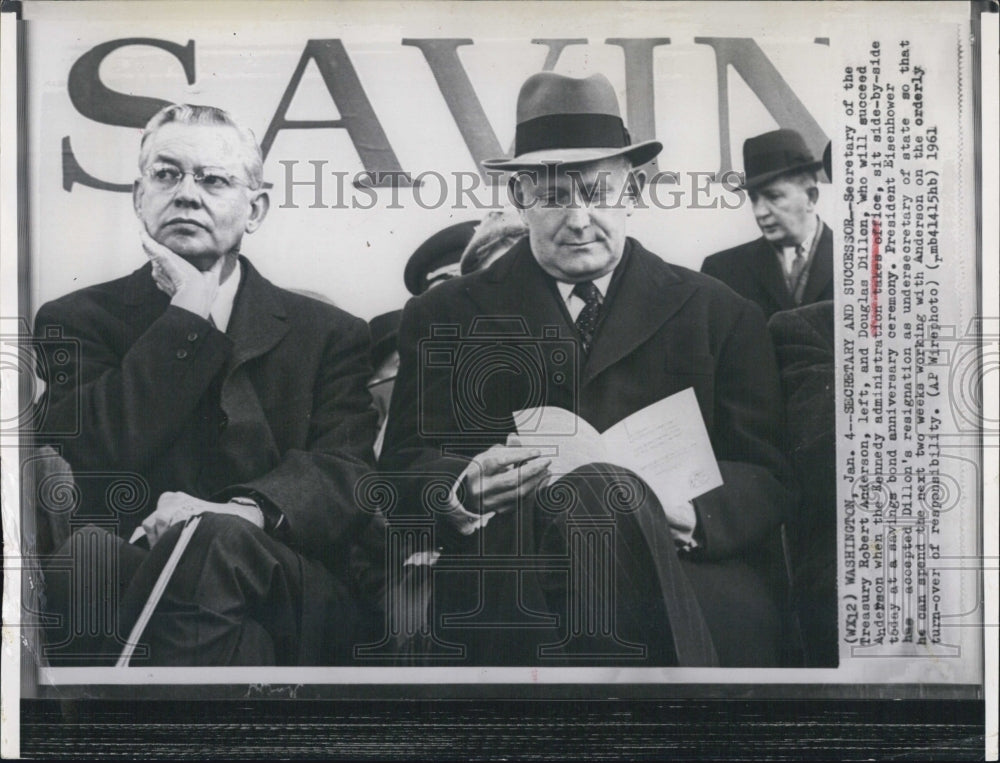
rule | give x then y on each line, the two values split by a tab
213	180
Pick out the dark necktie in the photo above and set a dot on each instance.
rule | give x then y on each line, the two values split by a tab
795	275
586	321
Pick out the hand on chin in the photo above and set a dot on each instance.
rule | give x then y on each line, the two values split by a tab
192	250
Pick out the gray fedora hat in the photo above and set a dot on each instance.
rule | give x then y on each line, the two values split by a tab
570	120
776	153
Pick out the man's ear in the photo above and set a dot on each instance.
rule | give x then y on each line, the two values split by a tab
137	198
515	193
636	182
813	194
259	205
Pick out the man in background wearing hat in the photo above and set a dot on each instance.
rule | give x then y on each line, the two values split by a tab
791	264
436	260
640	330
494	236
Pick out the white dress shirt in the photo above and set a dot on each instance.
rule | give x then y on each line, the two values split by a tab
225	297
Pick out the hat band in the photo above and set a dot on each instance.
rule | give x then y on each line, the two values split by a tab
772	161
557	131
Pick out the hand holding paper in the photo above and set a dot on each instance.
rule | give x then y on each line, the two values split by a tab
501	475
665	443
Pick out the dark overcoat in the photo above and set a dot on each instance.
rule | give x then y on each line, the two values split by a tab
752	270
664	328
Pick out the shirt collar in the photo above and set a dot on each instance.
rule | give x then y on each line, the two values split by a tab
602	283
809	241
225	297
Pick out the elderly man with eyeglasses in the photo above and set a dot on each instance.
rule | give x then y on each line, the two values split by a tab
225	397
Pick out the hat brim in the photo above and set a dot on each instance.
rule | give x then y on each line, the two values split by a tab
637	154
758	180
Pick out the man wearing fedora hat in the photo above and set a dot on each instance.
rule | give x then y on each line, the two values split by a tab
610	328
791	264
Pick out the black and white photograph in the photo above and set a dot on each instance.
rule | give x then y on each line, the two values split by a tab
608	376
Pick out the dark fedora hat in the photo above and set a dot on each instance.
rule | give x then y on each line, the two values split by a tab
569	120
437	258
776	153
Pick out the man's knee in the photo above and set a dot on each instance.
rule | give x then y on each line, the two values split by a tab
226	557
91	556
600	492
228	532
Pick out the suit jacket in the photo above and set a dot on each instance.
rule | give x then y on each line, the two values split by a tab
752	270
276	406
664	328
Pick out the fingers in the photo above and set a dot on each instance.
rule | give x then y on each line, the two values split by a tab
154	249
511	478
169	272
510	474
163	283
149	244
504	474
169	262
508	499
171	508
501	459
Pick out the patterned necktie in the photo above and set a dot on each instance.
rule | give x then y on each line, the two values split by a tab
586	321
795	273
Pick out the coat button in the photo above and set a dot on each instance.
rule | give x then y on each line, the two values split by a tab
181	354
193	336
223	422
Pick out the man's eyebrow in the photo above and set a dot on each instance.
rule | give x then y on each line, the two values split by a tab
166	158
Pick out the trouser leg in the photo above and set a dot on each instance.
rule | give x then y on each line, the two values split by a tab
85	579
239	597
636	581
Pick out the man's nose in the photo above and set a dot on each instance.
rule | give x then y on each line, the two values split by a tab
188	192
760	208
577	215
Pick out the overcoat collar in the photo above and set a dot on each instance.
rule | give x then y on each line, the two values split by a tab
821	270
643	296
763	266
